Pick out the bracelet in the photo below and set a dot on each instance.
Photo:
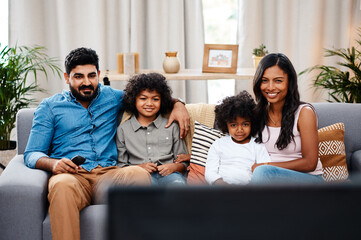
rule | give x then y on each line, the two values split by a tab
181	101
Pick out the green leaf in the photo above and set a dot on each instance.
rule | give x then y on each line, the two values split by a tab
342	86
17	64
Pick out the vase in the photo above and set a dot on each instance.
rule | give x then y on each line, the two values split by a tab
171	62
256	61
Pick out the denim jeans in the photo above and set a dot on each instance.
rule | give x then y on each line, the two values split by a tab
268	174
175	178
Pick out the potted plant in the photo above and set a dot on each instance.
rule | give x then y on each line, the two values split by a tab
17	64
258	54
343	86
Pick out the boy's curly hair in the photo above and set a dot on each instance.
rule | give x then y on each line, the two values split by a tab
241	105
152	82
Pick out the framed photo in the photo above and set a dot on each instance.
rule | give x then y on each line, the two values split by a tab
220	58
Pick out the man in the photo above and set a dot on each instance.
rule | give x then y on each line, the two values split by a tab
81	122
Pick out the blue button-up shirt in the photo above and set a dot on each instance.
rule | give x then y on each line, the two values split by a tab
63	128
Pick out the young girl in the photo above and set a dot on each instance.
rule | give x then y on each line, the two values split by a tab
230	158
143	140
287	126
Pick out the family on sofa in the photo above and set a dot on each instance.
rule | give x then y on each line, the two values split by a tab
274	139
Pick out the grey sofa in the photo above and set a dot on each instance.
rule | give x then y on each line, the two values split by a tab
23	191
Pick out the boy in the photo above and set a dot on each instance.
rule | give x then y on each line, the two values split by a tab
143	140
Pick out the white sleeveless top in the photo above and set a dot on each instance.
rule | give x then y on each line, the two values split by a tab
293	150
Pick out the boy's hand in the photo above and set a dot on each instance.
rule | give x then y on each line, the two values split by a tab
181	115
169	168
183	158
150	167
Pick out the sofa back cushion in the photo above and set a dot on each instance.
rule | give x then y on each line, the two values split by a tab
24	122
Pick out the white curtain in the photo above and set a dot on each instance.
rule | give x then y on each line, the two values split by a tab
301	29
150	27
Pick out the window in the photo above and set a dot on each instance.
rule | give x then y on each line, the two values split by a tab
220	26
4	27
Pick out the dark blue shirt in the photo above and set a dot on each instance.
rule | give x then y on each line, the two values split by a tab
63	128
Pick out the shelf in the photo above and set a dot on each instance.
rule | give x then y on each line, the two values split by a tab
185	74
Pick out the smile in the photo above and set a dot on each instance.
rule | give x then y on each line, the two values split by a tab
272	95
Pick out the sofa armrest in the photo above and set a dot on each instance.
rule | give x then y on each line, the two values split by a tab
23	200
355	162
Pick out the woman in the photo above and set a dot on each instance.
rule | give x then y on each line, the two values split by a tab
287	126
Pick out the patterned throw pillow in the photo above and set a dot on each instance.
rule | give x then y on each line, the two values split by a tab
331	151
203	138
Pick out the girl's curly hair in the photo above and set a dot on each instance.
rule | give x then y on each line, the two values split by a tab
241	105
152	82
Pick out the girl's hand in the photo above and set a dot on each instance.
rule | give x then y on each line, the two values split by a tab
150	167
220	181
182	158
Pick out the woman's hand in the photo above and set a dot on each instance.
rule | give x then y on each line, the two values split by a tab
181	115
256	165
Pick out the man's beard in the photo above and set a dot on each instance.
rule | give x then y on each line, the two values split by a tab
81	97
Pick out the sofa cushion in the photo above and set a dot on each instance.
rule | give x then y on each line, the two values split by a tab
202	113
332	152
203	138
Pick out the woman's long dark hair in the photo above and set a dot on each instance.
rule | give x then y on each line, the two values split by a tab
292	100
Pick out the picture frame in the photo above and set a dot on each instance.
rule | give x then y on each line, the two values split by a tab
220	58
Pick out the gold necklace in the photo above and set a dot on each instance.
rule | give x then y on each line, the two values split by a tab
274	123
269	116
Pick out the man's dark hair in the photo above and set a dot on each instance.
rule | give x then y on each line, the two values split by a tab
81	56
152	82
241	105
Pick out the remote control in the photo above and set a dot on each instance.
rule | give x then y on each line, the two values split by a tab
78	160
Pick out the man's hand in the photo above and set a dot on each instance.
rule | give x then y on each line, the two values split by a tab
183	158
64	165
181	115
150	167
57	166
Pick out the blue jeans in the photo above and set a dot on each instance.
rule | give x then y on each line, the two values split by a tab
268	174
175	178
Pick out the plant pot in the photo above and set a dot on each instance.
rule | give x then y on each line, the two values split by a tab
7	154
256	61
